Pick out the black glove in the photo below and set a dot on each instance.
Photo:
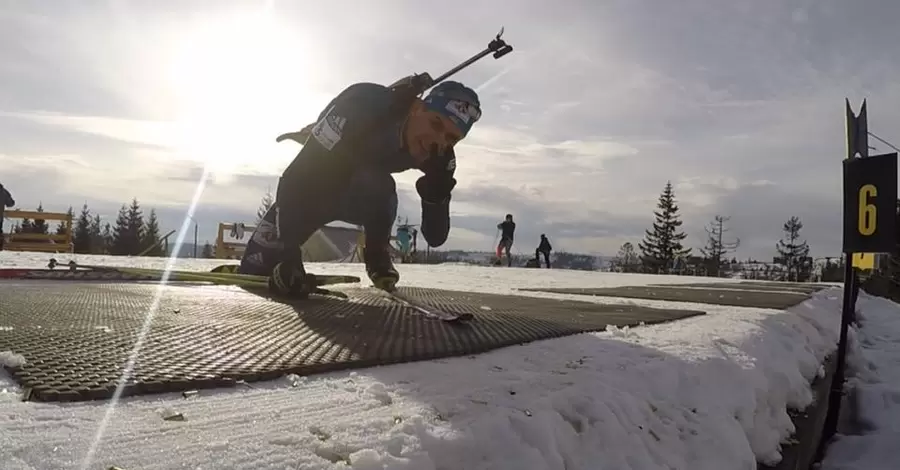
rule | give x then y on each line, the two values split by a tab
435	190
435	222
435	194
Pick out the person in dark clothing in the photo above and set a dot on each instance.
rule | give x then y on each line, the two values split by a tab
6	200
543	248
344	172
507	234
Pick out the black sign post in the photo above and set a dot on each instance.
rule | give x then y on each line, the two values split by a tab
870	226
870	201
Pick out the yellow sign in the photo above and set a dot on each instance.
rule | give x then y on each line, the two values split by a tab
864	261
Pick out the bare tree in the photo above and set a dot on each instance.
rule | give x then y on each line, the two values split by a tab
716	247
627	260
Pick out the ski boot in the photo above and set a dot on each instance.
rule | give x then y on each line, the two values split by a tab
291	280
380	267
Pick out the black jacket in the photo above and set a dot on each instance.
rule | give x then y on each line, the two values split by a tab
508	230
545	246
361	126
6	200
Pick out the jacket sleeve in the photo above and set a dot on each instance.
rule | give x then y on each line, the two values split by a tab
435	188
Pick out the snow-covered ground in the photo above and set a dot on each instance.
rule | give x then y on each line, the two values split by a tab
708	392
869	434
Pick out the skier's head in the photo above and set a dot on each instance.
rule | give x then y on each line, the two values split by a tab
443	118
509	217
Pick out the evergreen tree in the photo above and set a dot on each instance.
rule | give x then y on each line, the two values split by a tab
127	233
82	237
107	237
40	225
267	202
716	247
61	226
120	236
98	244
663	244
793	252
207	251
135	227
150	236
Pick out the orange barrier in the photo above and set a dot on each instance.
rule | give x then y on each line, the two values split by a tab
52	242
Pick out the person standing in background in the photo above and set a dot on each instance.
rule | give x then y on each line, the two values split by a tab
507	234
544	248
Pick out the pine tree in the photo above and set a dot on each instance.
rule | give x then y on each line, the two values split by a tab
207	251
793	252
120	235
663	244
82	237
107	238
267	202
98	244
716	247
128	230
61	226
39	225
135	227
150	236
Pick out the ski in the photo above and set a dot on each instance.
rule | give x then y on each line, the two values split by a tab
82	271
427	311
321	279
263	291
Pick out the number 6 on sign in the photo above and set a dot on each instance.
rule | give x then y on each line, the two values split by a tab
870	204
867	211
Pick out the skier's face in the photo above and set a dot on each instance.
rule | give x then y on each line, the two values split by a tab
428	132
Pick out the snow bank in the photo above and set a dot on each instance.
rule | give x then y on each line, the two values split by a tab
708	392
870	432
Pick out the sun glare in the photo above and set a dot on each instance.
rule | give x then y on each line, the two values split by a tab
238	82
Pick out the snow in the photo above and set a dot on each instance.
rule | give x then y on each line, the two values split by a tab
870	428
709	392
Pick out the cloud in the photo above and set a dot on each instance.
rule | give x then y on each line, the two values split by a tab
739	105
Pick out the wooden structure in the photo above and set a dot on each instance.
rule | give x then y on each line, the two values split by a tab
327	244
51	243
229	249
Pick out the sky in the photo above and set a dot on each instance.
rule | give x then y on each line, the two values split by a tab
739	104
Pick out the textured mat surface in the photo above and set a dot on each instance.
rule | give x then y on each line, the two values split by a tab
760	285
705	294
77	336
